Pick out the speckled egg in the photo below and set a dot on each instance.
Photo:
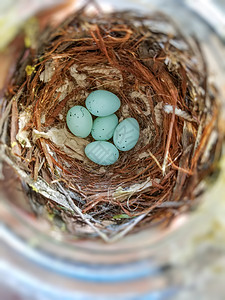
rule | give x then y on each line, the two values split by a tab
79	121
102	153
103	127
102	103
126	134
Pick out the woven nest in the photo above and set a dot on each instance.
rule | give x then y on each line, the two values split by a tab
161	79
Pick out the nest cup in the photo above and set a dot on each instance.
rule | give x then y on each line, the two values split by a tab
161	79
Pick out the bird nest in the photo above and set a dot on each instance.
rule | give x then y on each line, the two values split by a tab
160	77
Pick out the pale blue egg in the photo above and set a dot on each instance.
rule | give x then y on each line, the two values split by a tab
126	134
79	121
102	153
102	103
103	127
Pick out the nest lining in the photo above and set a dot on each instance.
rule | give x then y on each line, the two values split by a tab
161	79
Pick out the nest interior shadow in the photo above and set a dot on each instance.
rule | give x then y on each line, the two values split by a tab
160	77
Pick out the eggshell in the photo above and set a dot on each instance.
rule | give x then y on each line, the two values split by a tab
102	153
103	127
79	121
126	134
102	103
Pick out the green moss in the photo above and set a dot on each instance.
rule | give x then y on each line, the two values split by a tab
29	70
